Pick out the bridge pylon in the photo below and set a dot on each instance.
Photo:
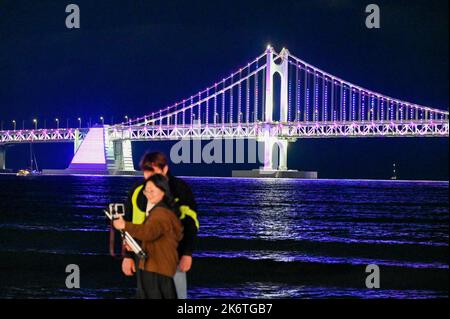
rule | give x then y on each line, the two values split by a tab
275	159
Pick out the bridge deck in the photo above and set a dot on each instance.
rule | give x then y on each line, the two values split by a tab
245	130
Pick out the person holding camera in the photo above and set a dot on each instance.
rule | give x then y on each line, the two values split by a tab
137	204
160	233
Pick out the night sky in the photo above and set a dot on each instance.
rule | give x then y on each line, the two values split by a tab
135	57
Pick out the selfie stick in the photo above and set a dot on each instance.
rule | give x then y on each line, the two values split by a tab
114	214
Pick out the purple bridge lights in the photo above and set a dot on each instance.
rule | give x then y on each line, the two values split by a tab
311	103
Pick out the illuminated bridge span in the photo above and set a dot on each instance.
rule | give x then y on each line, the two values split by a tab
275	99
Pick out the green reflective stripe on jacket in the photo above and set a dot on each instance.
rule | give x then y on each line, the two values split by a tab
186	210
138	215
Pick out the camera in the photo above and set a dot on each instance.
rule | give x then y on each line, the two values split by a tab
116	210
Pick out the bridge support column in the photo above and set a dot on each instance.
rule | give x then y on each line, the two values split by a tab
77	141
97	153
2	158
275	162
119	156
283	144
275	154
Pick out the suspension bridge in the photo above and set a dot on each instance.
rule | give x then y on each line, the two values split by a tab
275	99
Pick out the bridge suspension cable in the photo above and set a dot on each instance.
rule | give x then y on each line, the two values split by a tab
311	102
229	92
349	102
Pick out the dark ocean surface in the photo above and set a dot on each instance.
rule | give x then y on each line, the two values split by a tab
258	238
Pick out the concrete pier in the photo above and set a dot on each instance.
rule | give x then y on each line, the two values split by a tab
90	172
275	173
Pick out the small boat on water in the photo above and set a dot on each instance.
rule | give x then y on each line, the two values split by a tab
33	170
27	172
394	172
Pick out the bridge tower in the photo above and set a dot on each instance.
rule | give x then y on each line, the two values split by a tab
274	160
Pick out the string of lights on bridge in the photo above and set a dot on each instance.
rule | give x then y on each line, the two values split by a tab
56	123
312	103
313	96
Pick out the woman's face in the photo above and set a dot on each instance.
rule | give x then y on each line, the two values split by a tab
154	194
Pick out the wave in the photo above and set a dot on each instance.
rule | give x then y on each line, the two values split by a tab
305	258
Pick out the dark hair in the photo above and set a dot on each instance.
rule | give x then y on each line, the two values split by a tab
162	183
150	159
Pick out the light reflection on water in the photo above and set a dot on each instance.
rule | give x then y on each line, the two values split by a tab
255	290
308	258
269	209
63	216
276	290
331	211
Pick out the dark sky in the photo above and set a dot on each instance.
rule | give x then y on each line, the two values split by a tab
135	57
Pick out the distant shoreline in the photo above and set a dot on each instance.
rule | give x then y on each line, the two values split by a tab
262	178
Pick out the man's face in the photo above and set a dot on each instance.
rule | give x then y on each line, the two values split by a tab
156	170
